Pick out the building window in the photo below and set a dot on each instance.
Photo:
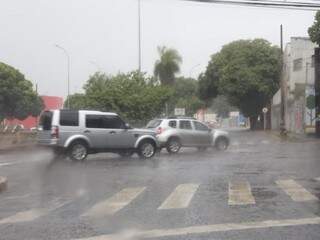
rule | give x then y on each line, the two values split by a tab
297	64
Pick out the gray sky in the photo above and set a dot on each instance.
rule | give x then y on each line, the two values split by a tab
105	32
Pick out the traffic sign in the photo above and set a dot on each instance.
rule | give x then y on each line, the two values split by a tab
179	111
265	110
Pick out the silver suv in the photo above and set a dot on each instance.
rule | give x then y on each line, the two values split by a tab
174	133
79	133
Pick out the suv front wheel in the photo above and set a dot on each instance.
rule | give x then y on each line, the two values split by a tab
78	151
147	149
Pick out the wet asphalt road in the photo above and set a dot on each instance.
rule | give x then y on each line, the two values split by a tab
182	196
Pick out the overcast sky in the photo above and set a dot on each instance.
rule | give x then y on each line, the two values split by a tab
103	35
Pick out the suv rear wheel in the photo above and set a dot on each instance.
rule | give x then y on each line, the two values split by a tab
78	151
173	145
147	149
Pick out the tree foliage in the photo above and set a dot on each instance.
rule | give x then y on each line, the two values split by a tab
314	30
221	106
168	65
17	98
132	95
185	96
209	82
246	72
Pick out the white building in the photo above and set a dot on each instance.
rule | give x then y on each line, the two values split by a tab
299	79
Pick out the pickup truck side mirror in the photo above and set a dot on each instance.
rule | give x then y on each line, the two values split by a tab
127	126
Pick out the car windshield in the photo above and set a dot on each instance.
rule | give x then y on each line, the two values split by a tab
160	119
154	123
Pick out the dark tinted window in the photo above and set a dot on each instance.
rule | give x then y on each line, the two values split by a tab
200	127
172	124
45	120
103	121
154	123
185	125
69	118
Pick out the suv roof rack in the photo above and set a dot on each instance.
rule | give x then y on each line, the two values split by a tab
181	117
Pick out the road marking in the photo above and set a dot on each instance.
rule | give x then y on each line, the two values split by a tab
114	203
205	229
318	179
295	191
32	214
5	164
180	197
240	193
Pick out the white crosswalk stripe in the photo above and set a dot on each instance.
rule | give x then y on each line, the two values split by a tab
295	191
32	214
114	203
180	197
240	193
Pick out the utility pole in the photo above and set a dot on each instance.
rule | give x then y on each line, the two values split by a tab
282	89
139	33
68	74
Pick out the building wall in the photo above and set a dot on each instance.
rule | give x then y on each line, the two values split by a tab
50	102
299	79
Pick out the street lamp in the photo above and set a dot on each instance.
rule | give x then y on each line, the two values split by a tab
94	63
139	34
68	76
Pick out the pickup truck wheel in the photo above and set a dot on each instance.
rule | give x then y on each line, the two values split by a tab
221	143
173	145
147	149
78	151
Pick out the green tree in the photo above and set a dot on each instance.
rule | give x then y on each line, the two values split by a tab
221	106
209	82
132	95
246	72
185	96
17	98
314	30
168	65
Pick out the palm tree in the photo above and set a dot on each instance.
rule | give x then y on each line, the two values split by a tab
168	65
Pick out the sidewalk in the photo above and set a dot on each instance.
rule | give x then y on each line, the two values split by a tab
295	137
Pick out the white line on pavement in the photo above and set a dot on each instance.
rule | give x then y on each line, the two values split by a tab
32	214
114	203
5	164
295	191
318	178
240	193
180	197
205	229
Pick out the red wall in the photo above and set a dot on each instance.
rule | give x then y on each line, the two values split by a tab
50	102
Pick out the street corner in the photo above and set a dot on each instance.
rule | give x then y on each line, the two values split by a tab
3	183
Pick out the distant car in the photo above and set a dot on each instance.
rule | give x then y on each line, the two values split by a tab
174	133
79	133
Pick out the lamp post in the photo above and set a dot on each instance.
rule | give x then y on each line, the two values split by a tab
68	74
139	34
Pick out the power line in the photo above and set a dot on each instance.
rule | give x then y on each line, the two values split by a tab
266	4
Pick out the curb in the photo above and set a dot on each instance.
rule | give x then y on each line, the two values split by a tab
3	183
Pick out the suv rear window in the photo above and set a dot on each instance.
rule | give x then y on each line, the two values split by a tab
69	118
46	120
154	123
